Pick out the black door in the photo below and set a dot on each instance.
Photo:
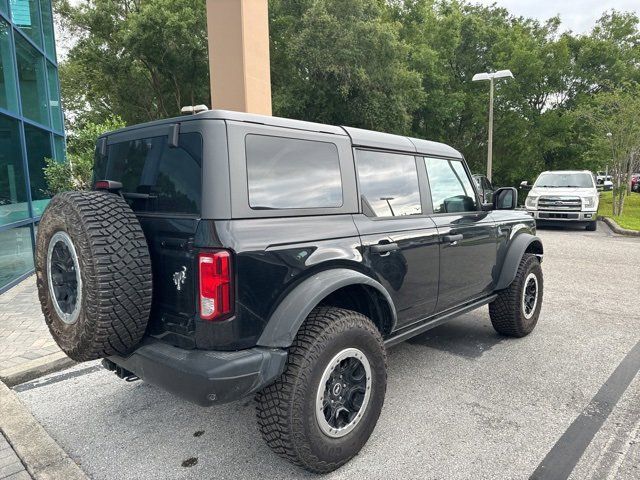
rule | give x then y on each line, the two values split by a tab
162	184
468	238
399	244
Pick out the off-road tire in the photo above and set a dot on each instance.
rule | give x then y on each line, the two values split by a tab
592	226
115	272
506	311
286	409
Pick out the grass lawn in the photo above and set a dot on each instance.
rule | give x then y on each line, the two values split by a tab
630	218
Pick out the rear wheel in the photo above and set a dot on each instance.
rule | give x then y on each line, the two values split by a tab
324	407
516	310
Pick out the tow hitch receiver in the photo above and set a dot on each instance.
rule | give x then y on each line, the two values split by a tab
123	373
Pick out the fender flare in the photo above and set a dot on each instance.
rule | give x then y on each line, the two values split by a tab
514	255
285	321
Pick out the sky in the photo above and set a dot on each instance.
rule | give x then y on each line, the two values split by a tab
578	16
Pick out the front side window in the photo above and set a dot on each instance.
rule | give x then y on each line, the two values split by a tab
156	177
388	184
284	173
451	189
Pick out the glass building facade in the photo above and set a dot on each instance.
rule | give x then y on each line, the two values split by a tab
31	129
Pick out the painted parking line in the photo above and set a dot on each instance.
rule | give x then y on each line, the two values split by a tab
57	378
565	454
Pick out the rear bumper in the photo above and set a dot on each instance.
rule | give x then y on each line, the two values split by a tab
203	377
563	216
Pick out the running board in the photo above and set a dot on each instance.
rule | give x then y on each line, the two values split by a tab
432	322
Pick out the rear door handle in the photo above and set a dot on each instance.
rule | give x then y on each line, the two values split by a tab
452	238
384	247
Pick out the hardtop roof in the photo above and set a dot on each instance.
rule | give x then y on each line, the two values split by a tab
359	137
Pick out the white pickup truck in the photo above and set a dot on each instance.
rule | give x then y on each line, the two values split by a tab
564	196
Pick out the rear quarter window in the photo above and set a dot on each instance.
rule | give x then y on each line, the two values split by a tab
285	173
155	177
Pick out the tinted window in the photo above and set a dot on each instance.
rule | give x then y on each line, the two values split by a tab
290	173
33	84
8	92
25	15
38	149
13	192
451	189
388	184
166	179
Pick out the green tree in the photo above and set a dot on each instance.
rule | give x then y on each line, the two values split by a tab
612	127
341	63
139	59
76	172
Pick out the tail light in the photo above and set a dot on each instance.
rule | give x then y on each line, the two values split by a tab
216	285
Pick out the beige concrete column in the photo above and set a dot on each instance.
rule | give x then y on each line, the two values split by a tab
239	55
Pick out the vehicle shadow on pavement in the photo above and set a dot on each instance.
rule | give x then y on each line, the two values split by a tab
463	337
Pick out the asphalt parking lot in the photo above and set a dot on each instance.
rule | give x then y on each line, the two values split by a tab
462	402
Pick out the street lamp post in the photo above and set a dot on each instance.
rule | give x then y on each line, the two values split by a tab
491	77
388	200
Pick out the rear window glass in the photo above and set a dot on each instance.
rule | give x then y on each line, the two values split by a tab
156	177
290	173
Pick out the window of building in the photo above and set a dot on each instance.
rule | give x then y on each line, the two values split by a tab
31	128
47	28
59	148
287	173
451	189
8	96
54	98
16	253
13	192
164	179
38	149
388	184
33	85
25	14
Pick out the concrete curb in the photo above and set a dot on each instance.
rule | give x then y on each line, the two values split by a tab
35	368
41	455
618	229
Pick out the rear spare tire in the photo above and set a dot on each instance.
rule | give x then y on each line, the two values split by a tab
94	274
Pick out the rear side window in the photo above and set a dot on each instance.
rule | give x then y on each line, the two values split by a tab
451	189
388	184
291	173
156	177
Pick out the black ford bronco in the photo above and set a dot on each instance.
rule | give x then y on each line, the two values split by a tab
225	254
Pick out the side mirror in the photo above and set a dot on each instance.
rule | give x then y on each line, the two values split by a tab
505	198
524	184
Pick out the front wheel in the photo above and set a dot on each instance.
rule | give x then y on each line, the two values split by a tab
516	310
324	407
592	226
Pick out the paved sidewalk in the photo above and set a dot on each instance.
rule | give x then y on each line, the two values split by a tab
25	342
11	468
